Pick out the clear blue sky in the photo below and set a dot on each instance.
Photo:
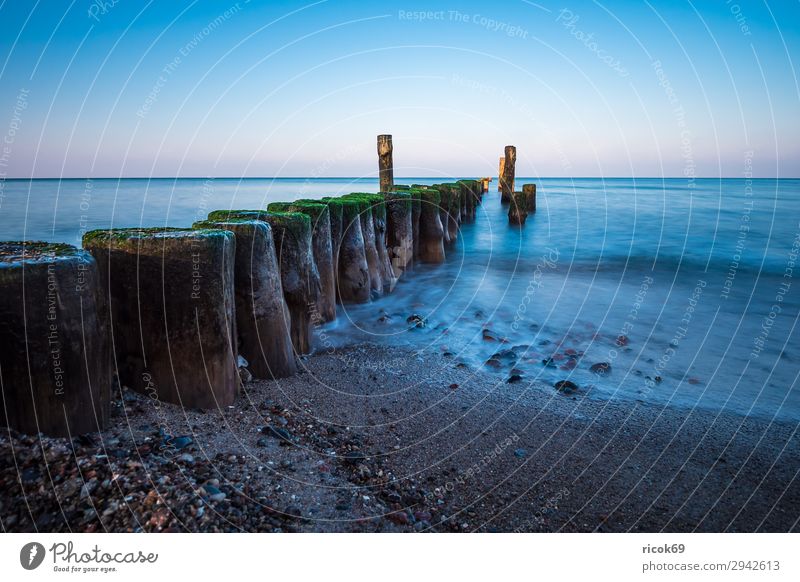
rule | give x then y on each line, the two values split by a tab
219	88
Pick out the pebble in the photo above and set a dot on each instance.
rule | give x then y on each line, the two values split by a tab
566	386
601	368
179	442
416	320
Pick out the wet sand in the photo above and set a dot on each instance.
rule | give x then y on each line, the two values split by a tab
368	439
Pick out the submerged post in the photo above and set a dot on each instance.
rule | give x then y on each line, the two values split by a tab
518	212
530	196
507	175
385	164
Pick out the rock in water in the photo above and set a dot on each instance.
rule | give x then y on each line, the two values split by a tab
566	386
170	296
55	367
601	368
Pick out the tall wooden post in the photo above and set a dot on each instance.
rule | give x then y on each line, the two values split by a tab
507	176
385	165
500	171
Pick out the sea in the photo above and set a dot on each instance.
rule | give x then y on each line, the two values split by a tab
670	292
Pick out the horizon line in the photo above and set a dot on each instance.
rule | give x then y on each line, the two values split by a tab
398	178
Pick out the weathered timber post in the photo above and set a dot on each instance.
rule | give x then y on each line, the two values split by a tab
469	195
399	230
500	172
55	369
263	322
322	249
168	295
381	244
291	232
335	211
507	178
462	202
450	210
444	208
431	232
530	197
517	212
370	244
353	269
385	164
416	211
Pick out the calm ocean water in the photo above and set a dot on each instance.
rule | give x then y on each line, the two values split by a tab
698	278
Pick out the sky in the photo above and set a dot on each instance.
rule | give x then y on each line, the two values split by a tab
218	88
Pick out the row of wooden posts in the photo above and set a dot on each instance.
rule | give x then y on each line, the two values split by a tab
171	312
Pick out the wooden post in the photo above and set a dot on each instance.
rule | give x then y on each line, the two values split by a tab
500	174
263	322
55	366
169	294
385	164
431	231
353	269
322	245
507	176
530	196
370	242
400	238
518	212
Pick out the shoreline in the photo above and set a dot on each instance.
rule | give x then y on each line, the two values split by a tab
372	438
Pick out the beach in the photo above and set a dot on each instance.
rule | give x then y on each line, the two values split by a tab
369	438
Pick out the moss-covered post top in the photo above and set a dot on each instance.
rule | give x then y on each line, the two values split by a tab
402	198
17	252
368	198
122	237
217	215
313	208
230	222
297	223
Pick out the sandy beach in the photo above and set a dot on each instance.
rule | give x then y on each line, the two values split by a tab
370	439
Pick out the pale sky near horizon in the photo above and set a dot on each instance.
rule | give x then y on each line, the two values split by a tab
249	88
